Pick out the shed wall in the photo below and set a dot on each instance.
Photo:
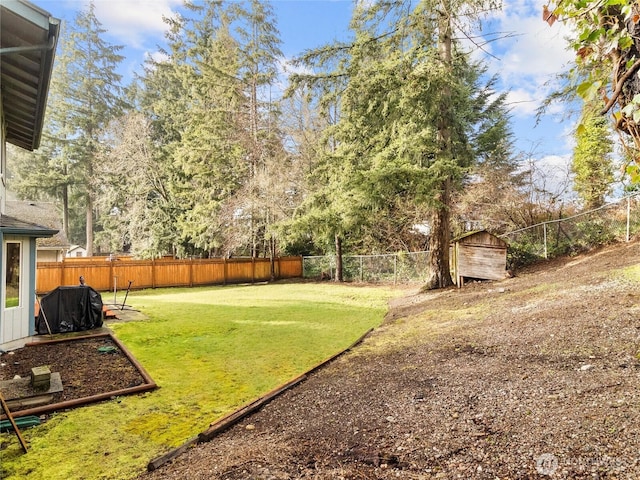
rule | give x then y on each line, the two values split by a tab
478	261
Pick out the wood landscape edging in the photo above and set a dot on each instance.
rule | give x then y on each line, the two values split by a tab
233	418
77	402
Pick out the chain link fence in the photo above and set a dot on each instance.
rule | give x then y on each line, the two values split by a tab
403	267
614	222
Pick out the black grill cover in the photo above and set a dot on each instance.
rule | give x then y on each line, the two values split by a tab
70	309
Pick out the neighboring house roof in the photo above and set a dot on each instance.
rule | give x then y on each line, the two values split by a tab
42	214
28	39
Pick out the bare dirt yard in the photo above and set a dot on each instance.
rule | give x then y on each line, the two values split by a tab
537	376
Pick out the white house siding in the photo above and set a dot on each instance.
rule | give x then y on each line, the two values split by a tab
3	160
18	323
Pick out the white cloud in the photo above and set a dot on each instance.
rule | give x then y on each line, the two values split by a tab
552	173
135	23
554	163
156	57
287	67
522	102
536	51
527	53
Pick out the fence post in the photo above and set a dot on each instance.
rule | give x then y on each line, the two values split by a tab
224	270
395	269
544	225
361	270
112	273
628	219
253	269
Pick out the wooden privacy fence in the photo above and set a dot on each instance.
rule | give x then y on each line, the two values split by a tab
104	273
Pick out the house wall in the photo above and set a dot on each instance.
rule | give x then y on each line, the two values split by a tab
31	286
3	168
48	255
3	159
76	252
18	323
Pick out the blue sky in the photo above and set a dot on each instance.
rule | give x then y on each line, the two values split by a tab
526	61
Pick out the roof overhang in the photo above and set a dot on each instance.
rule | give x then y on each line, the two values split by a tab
13	226
28	40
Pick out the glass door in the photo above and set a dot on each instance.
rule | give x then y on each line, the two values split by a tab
14	322
13	274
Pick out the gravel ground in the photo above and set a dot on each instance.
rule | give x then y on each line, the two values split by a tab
532	377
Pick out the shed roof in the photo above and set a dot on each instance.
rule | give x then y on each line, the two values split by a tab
480	233
28	39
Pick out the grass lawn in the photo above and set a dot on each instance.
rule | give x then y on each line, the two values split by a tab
210	350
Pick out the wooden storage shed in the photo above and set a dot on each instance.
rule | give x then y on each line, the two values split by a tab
478	254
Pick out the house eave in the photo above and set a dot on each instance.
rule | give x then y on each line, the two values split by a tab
13	226
28	40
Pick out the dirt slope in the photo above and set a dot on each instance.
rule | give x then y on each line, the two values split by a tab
533	377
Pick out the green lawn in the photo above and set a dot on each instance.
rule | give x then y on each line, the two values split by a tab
210	350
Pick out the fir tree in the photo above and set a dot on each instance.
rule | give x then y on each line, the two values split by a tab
411	110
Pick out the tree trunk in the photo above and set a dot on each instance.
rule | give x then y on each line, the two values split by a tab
339	275
65	211
439	240
440	237
89	230
272	258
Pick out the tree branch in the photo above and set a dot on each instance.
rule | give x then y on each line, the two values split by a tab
618	89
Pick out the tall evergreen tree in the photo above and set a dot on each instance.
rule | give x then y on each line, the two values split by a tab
411	114
193	98
493	185
258	62
209	108
591	164
94	98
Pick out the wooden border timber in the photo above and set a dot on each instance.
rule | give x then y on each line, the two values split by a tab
78	402
16	430
230	420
